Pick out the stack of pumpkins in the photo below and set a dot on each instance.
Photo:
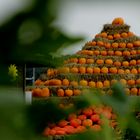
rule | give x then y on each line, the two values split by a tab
112	56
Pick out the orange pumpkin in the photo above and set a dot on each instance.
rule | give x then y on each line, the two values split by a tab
36	92
82	70
60	92
90	61
104	34
120	71
82	60
117	36
99	84
115	45
100	61
117	63
74	70
89	70
113	70
91	84
134	91
106	83
124	35
136	43
65	82
63	70
110	37
109	61
45	92
83	83
122	45
107	45
100	43
76	92
133	62
125	63
68	92
104	70
133	52
123	81
134	71
126	53
96	70
103	53
74	83
118	21
131	82
55	82
118	53
129	45
38	82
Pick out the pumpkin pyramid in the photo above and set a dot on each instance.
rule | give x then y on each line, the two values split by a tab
112	56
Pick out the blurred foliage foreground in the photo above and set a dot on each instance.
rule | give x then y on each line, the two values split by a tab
20	121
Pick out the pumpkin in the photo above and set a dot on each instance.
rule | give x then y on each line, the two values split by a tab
64	70
83	83
55	82
38	82
118	53
74	83
36	92
117	36
99	84
133	62
100	61
68	92
104	34
65	82
106	83
117	63
136	43
100	43
113	70
76	92
124	35
74	70
115	45
103	53
89	70
45	92
96	70
118	21
122	45
82	70
110	37
60	92
134	91
131	82
109	61
82	60
104	70
91	84
107	45
90	61
129	45
125	63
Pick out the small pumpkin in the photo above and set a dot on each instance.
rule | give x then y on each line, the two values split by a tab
68	92
118	21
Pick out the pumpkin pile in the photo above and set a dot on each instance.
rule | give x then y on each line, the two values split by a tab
112	56
85	119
